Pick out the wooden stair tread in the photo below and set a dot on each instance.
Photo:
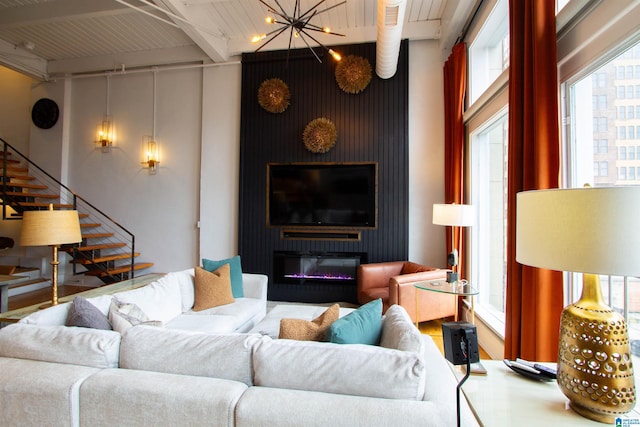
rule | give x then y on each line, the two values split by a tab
15	175
96	247
28	194
119	269
83	215
96	235
42	205
105	258
89	224
13	168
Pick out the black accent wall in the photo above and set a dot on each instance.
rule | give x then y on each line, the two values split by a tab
372	126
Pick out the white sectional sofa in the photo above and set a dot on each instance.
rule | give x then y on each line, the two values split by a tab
170	376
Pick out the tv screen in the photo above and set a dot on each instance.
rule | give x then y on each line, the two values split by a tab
314	194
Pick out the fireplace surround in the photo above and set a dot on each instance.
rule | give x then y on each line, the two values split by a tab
315	276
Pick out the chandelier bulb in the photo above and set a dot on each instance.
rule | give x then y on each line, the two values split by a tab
335	55
269	20
326	30
257	38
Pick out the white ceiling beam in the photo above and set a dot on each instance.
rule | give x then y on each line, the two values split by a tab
410	30
455	16
214	46
59	10
22	61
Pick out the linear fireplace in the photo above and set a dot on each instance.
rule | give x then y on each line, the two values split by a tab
315	276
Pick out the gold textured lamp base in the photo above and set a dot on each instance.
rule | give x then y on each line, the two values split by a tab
595	370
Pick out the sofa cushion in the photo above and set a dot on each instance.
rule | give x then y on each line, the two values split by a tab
358	370
184	279
362	326
212	288
160	300
125	315
36	393
126	397
236	272
399	332
86	315
241	311
226	356
305	330
210	324
76	346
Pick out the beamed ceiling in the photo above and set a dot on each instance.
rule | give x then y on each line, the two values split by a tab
48	38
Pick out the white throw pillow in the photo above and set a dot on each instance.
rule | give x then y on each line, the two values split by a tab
160	300
125	315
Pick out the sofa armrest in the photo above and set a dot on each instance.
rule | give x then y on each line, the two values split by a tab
255	285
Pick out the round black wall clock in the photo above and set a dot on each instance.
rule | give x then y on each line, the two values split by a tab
45	113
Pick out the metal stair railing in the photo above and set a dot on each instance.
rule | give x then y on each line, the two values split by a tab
66	197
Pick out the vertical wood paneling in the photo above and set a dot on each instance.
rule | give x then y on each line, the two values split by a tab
371	126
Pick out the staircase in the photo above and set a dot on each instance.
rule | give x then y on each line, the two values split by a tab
107	250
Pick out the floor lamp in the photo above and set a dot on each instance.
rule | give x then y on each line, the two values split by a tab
592	231
453	215
51	228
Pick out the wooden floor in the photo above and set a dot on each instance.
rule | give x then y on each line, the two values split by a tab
432	328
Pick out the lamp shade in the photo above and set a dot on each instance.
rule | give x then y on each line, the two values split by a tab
453	215
45	228
587	230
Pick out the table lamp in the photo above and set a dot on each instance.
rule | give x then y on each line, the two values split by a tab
50	228
453	215
592	231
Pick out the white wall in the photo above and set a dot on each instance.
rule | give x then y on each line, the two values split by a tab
426	152
220	163
162	209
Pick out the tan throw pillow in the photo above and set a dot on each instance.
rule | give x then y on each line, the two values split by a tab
212	288
314	330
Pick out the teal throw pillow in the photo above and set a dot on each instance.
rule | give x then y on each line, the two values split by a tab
362	326
236	272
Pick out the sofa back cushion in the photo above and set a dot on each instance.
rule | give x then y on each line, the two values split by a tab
160	300
182	352
96	348
351	369
398	332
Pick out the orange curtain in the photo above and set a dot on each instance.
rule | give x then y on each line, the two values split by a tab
455	84
534	296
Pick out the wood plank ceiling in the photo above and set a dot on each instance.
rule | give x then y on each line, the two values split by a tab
45	38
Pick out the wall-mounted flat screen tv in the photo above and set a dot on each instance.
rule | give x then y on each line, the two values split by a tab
322	194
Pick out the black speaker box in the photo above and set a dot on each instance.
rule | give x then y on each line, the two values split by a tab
456	350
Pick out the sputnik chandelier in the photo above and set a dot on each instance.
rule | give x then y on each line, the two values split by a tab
299	25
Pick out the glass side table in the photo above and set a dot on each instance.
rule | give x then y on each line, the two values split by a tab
460	288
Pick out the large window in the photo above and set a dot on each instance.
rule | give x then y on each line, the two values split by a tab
587	164
489	52
489	191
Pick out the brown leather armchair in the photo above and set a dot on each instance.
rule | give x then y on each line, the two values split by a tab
393	282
